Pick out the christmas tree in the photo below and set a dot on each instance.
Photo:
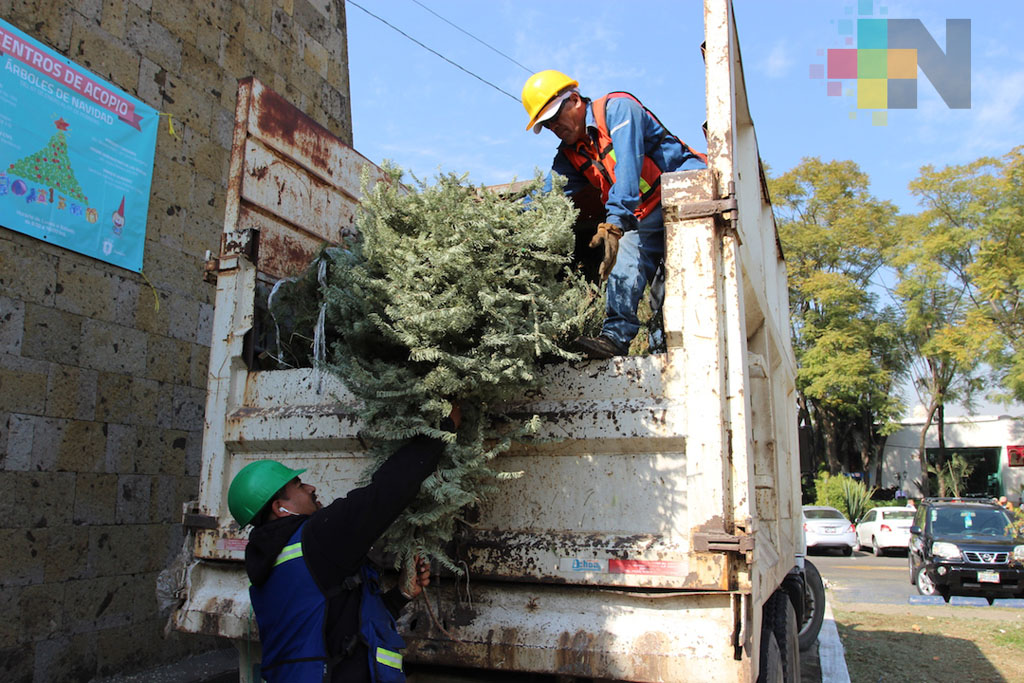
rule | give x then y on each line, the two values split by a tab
51	166
451	292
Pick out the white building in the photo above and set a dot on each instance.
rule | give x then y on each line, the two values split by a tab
985	441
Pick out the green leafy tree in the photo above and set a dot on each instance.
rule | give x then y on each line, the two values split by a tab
833	233
938	297
450	292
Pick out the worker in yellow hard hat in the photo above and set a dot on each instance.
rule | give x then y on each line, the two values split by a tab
616	145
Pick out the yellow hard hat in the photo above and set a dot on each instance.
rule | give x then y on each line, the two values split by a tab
540	89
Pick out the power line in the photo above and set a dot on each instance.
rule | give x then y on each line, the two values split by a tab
490	47
429	49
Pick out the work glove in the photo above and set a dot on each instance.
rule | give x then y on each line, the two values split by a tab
609	234
414	577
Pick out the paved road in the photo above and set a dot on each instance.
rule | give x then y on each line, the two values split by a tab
864	578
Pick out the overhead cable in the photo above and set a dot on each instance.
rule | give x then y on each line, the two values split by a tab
429	49
490	47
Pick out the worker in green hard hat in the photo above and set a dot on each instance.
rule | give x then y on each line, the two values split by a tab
320	611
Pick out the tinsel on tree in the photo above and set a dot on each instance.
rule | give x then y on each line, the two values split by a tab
51	166
450	293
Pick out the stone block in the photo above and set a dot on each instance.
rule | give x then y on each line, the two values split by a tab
67	554
66	658
146	398
313	19
71	392
27	272
172	181
114	398
200	365
12	325
113	19
189	407
204	73
36	499
122	443
150	311
105	55
96	495
316	57
21	562
212	160
112	348
183	315
39	612
133	498
55	31
16	663
161	451
16	455
168	360
164	506
194	453
22	384
151	39
52	334
177	19
120	550
166	223
38	439
281	25
204	327
82	447
191	106
101	602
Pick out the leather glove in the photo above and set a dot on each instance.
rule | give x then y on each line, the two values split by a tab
608	234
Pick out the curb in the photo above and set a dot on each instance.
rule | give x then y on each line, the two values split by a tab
830	651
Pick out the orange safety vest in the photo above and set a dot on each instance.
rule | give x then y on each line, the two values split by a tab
597	163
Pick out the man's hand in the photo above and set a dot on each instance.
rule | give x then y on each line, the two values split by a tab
609	234
414	578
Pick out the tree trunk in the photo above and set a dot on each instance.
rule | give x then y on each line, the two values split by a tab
940	458
828	429
922	454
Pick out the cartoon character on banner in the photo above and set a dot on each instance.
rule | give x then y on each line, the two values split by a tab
118	219
5	184
92	215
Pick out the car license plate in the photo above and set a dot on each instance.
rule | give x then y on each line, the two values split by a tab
988	577
830	530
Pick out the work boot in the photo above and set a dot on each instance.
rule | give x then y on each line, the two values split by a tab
600	348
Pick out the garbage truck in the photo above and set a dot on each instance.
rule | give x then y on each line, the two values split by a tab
655	537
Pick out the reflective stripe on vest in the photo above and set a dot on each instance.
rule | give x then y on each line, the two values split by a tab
389	658
597	164
289	552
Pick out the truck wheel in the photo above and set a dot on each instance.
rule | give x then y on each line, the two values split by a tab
770	668
780	618
814	605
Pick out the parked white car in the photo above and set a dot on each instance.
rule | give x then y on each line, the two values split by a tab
885	529
826	527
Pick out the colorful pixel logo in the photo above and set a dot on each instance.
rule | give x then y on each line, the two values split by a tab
883	57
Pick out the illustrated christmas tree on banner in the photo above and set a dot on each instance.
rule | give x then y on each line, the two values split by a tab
51	166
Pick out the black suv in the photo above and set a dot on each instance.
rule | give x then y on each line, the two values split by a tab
965	547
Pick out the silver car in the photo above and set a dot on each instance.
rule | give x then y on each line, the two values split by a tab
885	529
826	527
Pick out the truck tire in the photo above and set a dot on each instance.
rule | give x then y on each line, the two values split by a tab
814	605
780	617
770	667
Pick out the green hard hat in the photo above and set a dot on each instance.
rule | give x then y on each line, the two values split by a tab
255	485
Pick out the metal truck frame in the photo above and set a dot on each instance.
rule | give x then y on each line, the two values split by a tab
655	540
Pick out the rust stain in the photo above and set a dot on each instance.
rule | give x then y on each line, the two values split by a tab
279	118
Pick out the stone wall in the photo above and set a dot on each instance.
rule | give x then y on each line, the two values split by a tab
103	371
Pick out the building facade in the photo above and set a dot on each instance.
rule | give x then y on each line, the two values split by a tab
986	443
103	370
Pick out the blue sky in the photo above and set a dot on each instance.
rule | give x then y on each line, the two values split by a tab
416	109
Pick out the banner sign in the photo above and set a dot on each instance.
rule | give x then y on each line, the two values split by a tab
76	154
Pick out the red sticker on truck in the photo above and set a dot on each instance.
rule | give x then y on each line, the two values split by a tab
651	567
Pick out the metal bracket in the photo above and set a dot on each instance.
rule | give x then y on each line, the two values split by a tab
232	244
709	208
712	542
